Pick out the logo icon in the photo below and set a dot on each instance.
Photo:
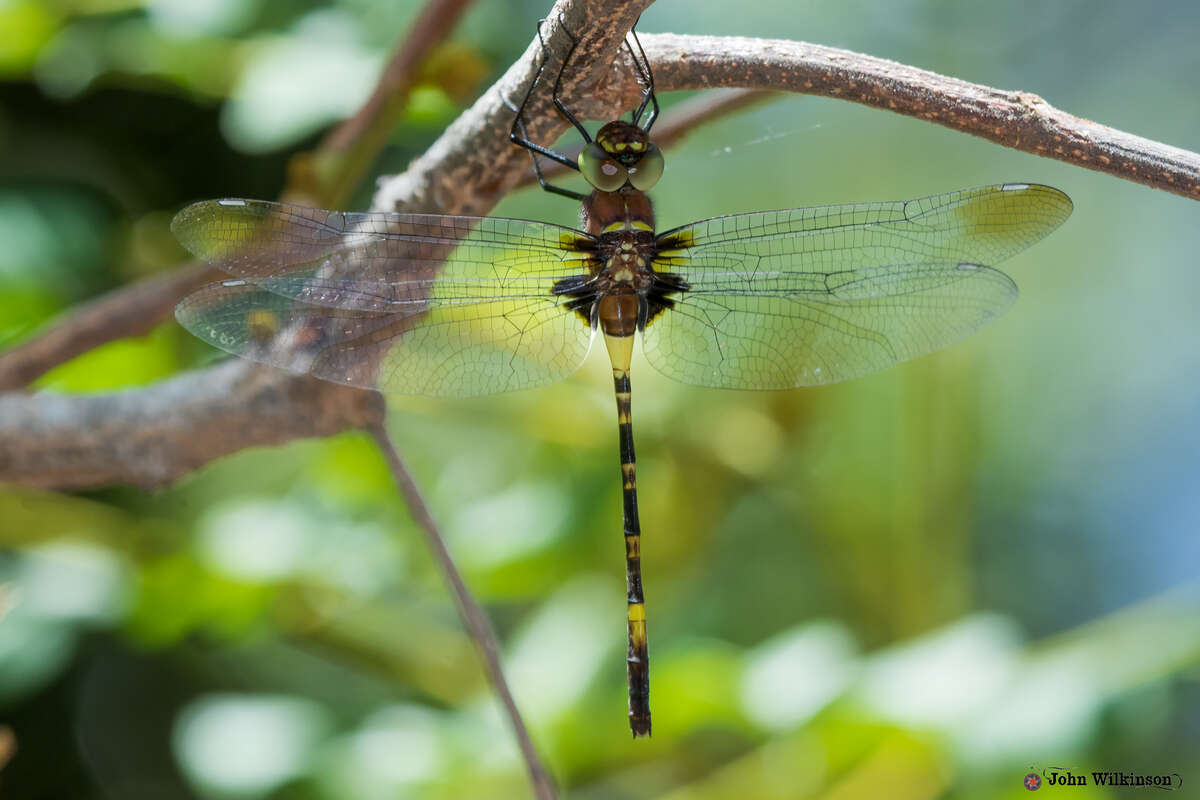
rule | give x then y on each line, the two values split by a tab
1033	781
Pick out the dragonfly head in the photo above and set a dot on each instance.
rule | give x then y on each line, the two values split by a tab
622	153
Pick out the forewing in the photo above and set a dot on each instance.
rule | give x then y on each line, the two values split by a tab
817	295
398	255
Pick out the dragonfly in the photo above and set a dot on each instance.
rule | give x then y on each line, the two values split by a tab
457	306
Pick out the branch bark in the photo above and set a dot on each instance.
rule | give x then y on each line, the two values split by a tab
1019	120
472	165
151	437
132	310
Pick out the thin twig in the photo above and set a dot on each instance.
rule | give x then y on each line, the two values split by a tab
473	617
349	150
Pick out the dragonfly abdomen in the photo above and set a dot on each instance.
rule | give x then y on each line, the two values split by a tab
637	659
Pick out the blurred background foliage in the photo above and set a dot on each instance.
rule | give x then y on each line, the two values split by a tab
917	585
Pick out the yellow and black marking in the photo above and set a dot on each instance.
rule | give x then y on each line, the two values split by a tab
586	290
637	658
575	243
620	292
620	138
670	249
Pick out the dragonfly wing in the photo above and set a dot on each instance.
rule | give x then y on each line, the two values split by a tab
454	350
818	295
981	226
403	303
397	258
748	340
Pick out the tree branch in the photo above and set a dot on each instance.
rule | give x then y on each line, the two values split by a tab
472	165
90	441
132	310
150	437
476	621
1019	120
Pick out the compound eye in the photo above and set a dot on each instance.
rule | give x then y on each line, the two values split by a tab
600	169
648	169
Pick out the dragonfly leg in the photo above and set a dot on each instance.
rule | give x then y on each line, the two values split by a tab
646	75
557	97
518	134
534	150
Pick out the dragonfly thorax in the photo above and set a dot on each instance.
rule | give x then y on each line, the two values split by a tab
621	290
627	207
624	256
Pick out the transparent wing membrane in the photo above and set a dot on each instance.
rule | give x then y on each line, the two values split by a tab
979	226
407	304
783	299
782	341
459	306
257	238
454	351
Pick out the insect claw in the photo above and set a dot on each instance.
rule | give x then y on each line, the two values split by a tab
562	23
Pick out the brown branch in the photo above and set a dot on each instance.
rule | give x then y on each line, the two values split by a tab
347	152
144	438
473	617
470	175
97	448
132	310
1019	120
150	437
